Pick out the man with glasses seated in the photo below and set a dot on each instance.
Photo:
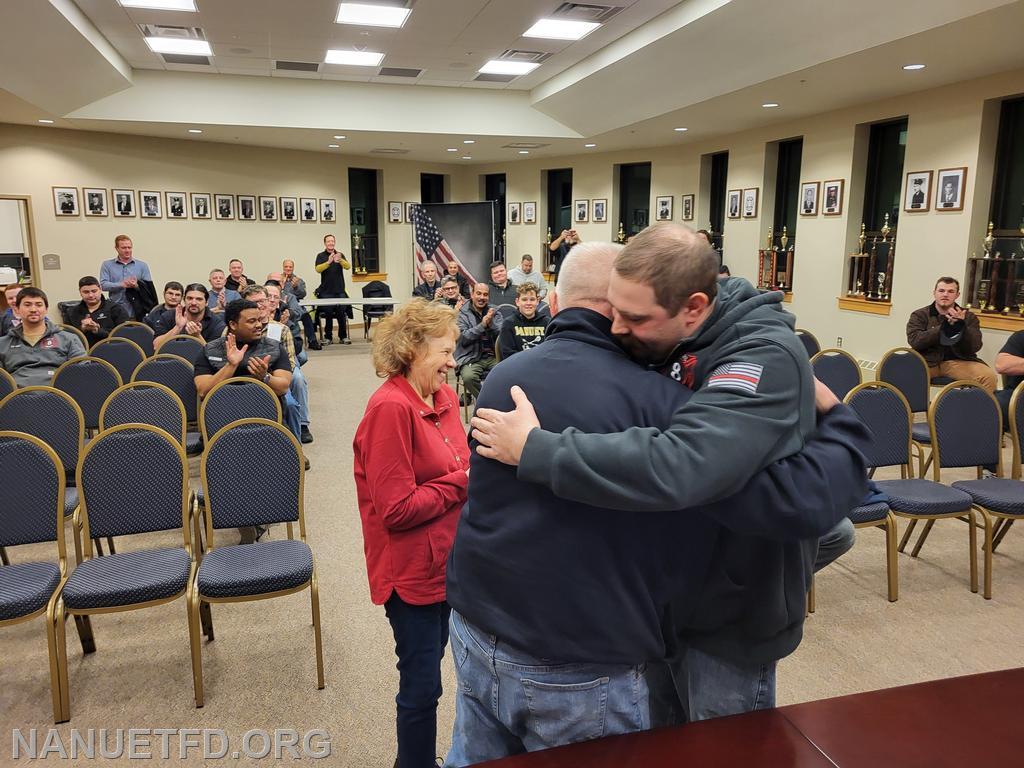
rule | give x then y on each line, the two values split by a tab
173	293
279	330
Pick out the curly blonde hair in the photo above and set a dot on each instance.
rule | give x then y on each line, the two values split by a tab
400	337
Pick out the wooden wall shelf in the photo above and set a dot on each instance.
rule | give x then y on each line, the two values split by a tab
370	277
1001	322
863	305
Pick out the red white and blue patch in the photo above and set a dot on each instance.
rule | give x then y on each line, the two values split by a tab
738	376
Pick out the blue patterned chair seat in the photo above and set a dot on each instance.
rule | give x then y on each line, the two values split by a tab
70	501
921	433
193	443
26	587
869	513
996	493
924	497
127	578
255	569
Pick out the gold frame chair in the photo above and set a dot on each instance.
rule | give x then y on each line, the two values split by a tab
1003	523
78	361
842	353
10	380
918	447
145	385
119	340
808	334
81	336
133	324
234	380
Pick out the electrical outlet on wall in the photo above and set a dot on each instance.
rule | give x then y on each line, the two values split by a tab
839	341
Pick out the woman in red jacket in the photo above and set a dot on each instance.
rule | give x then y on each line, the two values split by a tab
411	471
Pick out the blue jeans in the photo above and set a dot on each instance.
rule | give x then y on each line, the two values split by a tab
836	543
290	415
509	702
421	633
299	391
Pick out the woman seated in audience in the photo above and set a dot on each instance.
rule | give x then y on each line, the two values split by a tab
411	472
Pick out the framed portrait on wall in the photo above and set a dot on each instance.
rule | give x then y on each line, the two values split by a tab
357	216
732	203
65	201
225	206
394	212
750	203
832	197
530	213
289	209
177	207
408	212
268	208
95	201
149	205
307	209
201	207
809	192
600	209
514	213
581	211
917	197
949	191
663	208
124	202
686	204
247	207
327	210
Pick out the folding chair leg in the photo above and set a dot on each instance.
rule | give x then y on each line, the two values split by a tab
972	538
986	518
206	618
1000	531
891	560
314	598
55	635
921	539
59	618
906	535
3	557
192	609
85	635
811	597
98	546
110	545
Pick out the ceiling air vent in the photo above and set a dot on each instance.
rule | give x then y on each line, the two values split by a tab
389	151
297	66
181	58
399	72
532	57
172	33
483	77
524	145
584	12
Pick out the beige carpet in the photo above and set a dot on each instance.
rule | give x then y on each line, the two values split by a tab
260	671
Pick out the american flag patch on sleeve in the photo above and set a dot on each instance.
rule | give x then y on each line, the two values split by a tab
741	376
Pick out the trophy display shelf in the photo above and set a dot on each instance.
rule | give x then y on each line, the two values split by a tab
367	277
995	282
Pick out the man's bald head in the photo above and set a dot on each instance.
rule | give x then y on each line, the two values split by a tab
583	278
277	277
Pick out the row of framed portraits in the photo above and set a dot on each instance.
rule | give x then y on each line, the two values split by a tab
125	203
395	210
948	195
830	194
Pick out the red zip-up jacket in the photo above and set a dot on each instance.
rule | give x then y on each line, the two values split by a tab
410	471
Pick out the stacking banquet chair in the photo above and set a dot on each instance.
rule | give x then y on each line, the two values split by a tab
77	332
1016	436
116	505
235	466
138	332
7	384
123	354
176	374
186	347
33	512
837	369
809	341
144	402
89	381
906	370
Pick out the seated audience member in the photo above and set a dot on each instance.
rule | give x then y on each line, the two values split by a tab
236	280
191	317
1010	365
295	286
220	295
525	328
279	331
479	326
10	319
450	293
723	272
430	288
949	337
33	350
288	311
173	293
502	289
95	315
454	271
524	273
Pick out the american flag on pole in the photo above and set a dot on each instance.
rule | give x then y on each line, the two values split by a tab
742	376
431	246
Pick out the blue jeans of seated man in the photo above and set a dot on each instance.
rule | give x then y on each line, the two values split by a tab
299	391
836	543
509	702
290	415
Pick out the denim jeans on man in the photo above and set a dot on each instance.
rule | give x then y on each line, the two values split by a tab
509	702
421	633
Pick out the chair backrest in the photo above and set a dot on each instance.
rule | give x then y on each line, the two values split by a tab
505	311
33	508
145	402
1017	429
809	341
966	426
81	336
123	354
89	381
884	411
64	308
138	332
837	369
186	347
52	416
133	479
177	375
252	472
906	370
376	289
237	398
7	384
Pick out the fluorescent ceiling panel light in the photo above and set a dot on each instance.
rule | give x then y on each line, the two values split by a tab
452	149
340	137
332	146
770	105
185	47
195	130
161	5
466	157
555	29
590	146
354	58
912	67
372	15
502	67
468	141
681	130
524	151
44	121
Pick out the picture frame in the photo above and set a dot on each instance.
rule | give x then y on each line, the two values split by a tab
150	205
732	203
832	197
247	208
408	212
394	212
750	196
177	205
65	201
289	209
581	211
600	209
530	213
949	189
917	192
810	193
124	202
224	207
200	205
95	199
328	210
663	208
268	208
686	205
515	213
358	216
307	209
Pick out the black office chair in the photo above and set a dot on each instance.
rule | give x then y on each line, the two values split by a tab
376	289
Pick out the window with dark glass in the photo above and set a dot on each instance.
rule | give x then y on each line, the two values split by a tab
494	191
362	194
776	270
719	180
634	197
431	188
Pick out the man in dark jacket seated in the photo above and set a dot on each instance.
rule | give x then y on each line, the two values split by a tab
95	315
430	288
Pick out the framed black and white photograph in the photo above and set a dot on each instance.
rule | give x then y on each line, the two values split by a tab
600	209
201	208
124	202
949	191
663	208
917	197
95	201
750	203
732	206
247	207
307	209
515	212
150	206
686	203
408	212
358	216
581	211
177	207
328	210
268	208
832	197
530	213
809	192
289	209
394	212
65	201
225	206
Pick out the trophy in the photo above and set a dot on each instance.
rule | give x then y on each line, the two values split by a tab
621	236
1018	298
771	237
885	229
357	254
859	292
547	240
987	242
861	238
784	239
881	285
984	286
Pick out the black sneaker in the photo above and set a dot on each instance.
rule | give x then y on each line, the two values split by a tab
307	464
307	436
315	345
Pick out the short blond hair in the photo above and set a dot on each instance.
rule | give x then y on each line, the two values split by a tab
400	337
119	238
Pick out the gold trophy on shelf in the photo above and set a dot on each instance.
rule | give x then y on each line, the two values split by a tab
861	239
886	229
357	254
1018	298
620	238
547	239
987	242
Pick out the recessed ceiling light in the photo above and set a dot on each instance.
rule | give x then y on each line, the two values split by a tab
333	146
468	141
501	67
452	149
161	5
195	130
372	15
524	151
770	105
340	137
354	58
466	157
681	130
589	146
186	47
555	29
912	67
44	121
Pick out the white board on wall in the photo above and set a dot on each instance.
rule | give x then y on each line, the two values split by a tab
11	240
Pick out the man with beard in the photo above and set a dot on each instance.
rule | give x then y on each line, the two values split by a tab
191	317
479	326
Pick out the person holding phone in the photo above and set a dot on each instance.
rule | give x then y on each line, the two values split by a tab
560	248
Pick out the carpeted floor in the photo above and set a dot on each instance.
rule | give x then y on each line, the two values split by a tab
260	670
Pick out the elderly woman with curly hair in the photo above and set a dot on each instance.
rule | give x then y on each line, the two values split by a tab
411	472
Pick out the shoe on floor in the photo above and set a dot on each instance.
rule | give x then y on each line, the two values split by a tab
315	345
346	340
306	435
328	341
307	464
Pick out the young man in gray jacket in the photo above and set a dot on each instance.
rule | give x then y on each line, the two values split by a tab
32	351
479	325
